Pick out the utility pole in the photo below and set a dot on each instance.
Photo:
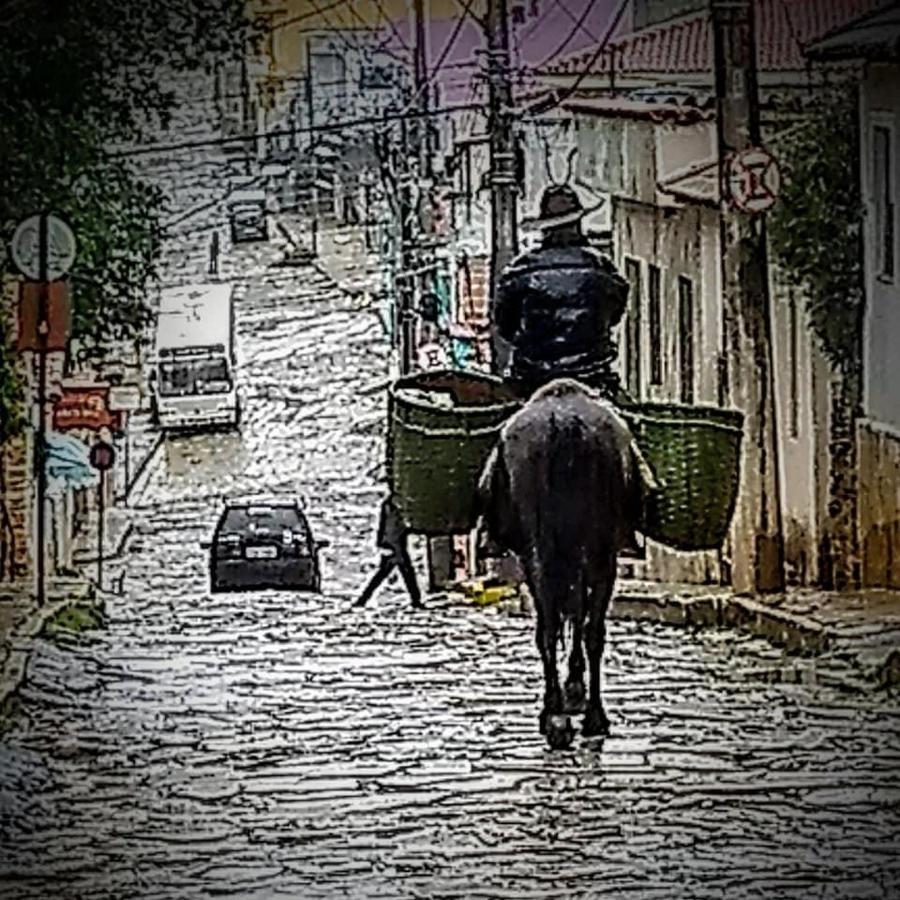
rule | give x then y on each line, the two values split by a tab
440	549
310	115
408	256
40	449
504	206
758	551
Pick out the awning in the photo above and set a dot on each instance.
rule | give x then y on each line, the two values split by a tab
67	463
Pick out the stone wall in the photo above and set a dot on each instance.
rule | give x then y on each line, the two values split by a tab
879	504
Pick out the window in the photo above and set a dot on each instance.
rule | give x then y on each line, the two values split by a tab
208	376
794	362
633	328
654	311
883	190
686	338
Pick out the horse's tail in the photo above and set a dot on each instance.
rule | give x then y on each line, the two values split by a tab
565	509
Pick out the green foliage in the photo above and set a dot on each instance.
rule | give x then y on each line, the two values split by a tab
74	620
816	229
78	80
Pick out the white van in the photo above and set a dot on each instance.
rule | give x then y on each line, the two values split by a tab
193	377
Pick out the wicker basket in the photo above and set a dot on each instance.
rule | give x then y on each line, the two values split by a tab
436	451
694	452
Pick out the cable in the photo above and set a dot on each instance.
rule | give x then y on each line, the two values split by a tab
383	15
383	47
308	15
287	132
559	97
578	26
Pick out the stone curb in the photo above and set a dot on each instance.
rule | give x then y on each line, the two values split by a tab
796	633
14	660
799	635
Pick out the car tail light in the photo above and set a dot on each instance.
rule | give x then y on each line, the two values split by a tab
229	546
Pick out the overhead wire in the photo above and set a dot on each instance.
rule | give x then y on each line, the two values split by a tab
307	15
392	25
300	129
579	23
560	96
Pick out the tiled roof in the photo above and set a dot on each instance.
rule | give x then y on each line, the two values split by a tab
784	28
874	37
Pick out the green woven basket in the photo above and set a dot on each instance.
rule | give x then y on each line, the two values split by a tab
694	452
441	428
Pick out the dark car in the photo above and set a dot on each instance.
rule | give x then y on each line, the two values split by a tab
266	544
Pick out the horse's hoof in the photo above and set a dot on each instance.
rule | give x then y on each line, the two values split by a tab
575	698
560	732
595	723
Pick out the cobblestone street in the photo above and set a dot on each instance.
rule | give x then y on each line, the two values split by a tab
276	745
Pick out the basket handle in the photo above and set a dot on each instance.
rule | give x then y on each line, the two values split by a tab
452	432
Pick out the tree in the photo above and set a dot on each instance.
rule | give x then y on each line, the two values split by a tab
79	82
816	234
816	230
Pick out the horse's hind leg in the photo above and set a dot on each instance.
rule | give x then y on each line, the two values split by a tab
575	696
595	720
547	637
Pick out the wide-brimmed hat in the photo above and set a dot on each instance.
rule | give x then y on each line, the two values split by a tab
560	206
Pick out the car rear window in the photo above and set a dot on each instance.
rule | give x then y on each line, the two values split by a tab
239	518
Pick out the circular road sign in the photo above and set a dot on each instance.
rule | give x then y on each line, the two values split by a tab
754	180
26	244
102	456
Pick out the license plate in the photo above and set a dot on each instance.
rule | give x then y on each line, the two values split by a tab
262	552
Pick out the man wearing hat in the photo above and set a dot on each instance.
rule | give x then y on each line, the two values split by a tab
557	305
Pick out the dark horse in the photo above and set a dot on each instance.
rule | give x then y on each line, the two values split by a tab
563	489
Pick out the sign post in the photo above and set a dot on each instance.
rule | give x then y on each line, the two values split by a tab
43	249
102	457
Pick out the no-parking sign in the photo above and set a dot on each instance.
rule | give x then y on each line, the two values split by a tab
754	180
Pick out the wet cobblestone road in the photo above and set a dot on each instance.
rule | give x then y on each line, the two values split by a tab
271	745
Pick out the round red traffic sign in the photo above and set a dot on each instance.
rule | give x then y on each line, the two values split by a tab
102	456
754	180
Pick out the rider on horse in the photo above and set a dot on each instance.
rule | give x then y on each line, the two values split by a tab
557	305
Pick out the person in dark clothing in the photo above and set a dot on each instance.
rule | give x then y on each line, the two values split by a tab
558	305
392	541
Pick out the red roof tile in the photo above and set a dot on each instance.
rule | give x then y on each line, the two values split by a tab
783	29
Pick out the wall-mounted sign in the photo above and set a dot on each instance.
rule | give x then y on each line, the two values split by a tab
124	397
85	407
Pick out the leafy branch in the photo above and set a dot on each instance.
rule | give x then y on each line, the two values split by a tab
816	229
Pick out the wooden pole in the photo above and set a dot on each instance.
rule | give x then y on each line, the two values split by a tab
758	541
101	508
40	450
504	200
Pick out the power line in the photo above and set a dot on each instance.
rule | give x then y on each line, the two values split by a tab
383	15
579	26
305	129
308	15
560	96
383	47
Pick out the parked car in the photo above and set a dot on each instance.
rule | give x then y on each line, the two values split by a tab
264	544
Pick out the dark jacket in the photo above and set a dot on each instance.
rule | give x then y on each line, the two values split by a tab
391	527
557	307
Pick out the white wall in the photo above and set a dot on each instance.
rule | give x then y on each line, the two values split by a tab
880	106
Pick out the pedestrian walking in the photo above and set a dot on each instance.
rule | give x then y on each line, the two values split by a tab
392	542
